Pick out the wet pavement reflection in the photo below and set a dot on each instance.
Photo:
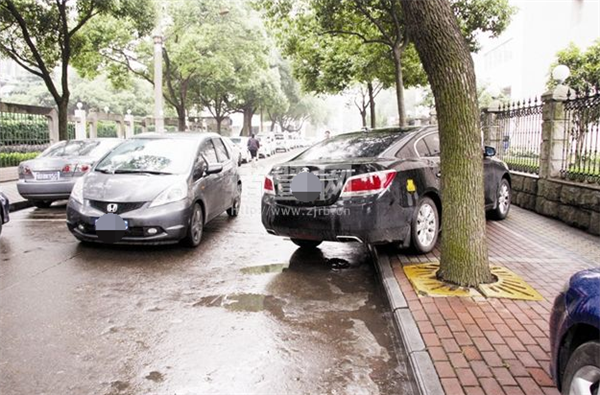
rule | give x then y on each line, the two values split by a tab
245	312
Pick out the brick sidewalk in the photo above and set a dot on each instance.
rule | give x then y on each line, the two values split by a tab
501	346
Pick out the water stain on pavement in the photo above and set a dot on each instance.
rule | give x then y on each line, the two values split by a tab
155	376
263	269
251	303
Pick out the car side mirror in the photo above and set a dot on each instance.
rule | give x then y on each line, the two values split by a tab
199	169
214	168
489	152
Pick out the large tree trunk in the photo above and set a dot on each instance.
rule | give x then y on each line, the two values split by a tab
447	61
397	57
181	119
247	127
63	119
363	116
219	121
372	105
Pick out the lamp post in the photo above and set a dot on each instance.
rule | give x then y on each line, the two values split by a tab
560	73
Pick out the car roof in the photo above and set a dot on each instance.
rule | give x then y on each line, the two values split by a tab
177	135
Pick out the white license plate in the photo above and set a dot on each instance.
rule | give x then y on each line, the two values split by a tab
54	176
126	223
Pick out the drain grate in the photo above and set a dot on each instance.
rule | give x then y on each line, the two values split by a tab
509	285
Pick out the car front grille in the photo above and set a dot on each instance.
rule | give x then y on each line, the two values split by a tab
121	207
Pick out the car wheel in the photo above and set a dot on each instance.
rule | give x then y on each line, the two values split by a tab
502	200
194	233
306	243
234	210
582	374
42	203
425	226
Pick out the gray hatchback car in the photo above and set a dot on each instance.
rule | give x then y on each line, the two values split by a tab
163	187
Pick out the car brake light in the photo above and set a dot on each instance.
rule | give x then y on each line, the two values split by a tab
26	170
369	183
83	168
268	187
66	169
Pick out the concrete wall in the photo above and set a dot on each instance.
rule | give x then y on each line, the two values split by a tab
575	204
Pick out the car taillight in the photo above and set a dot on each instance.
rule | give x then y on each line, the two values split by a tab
369	183
26	170
83	168
268	187
67	168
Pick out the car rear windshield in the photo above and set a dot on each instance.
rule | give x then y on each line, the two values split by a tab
236	140
354	145
73	148
169	156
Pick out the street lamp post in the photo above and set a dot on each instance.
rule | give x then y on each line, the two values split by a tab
159	121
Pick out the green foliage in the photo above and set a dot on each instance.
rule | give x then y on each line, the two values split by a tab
11	159
17	131
584	66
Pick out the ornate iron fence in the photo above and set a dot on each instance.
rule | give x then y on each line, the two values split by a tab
519	126
581	152
22	137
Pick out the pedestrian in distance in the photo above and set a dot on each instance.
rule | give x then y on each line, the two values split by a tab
253	147
327	134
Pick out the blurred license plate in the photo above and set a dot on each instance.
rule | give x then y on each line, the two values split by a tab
53	176
126	223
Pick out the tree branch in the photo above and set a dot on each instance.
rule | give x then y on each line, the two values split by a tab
356	34
373	20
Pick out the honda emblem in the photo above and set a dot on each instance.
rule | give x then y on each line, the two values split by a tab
112	208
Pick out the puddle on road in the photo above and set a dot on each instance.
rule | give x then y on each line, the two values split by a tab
263	269
251	303
155	376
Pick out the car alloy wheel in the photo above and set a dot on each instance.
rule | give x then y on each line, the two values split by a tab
585	380
195	230
425	226
503	200
582	373
234	210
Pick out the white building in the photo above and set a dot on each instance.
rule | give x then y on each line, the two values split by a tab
518	61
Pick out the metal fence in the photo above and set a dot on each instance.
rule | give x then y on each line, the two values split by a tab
581	151
22	137
520	127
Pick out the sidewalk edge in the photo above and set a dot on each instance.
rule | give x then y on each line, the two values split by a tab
421	363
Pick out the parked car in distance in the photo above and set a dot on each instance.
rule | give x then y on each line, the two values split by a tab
242	143
376	187
165	187
4	209
266	147
51	175
575	335
281	144
236	153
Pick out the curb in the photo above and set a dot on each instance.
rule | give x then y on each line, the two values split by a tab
19	205
421	363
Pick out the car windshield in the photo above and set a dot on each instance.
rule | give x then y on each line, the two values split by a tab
161	156
90	148
236	140
354	145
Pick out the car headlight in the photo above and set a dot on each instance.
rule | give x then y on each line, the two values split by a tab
174	193
77	192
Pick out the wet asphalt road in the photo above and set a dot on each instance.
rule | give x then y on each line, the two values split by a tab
246	312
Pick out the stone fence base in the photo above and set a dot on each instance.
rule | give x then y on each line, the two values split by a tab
575	204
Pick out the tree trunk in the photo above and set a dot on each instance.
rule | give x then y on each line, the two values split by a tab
372	105
63	119
397	56
219	121
449	66
181	119
247	127
363	116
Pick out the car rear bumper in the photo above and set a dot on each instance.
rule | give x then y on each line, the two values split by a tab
54	190
374	220
171	220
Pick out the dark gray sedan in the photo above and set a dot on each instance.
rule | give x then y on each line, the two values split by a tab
4	209
157	189
51	176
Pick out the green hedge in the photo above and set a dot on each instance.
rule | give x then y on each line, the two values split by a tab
14	158
23	131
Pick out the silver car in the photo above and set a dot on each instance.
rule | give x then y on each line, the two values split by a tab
51	175
158	188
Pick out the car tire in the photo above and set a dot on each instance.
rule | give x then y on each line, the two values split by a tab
503	200
306	243
234	210
583	365
425	226
0	225
42	203
194	233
